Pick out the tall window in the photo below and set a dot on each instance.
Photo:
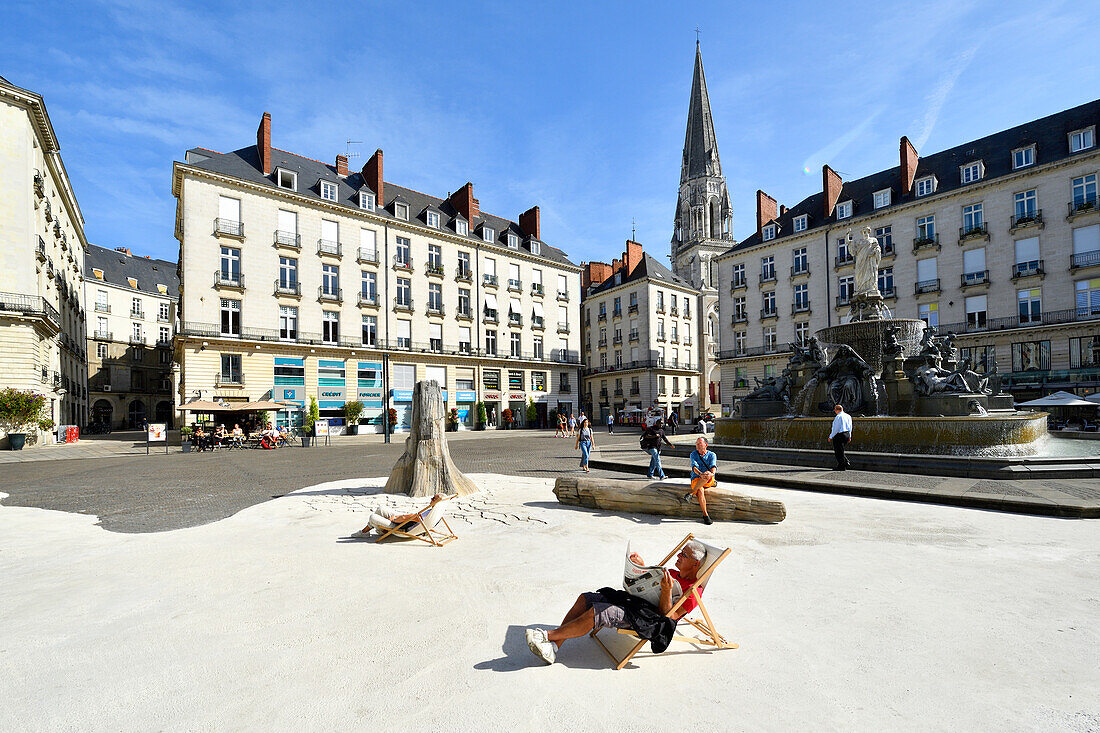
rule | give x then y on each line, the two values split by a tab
370	330
435	256
972	218
929	313
464	302
886	281
491	343
976	311
231	368
1026	204
802	297
404	292
1030	305
464	342
101	302
435	297
1088	297
885	237
288	273
403	333
769	303
515	347
740	309
231	317
165	335
330	279
769	339
1084	191
369	286
846	287
403	251
135	308
802	333
330	327
231	265
738	275
767	268
537	347
739	338
464	264
800	262
842	253
288	322
137	337
164	311
926	228
435	339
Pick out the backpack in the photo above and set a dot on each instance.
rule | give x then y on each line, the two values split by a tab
648	440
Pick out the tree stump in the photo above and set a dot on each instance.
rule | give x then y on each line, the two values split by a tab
426	468
667	499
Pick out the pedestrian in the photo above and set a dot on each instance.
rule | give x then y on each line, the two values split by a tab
704	472
584	442
559	431
572	425
651	440
841	435
611	423
670	423
703	424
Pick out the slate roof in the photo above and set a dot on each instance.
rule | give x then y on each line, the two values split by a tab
700	142
245	165
648	267
1048	134
118	266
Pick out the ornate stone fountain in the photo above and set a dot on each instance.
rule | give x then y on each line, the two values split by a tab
902	379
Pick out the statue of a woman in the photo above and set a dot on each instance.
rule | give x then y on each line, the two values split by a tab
867	253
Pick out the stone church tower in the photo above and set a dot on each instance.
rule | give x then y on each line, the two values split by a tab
702	230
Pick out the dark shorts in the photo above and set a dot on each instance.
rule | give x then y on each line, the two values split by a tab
606	614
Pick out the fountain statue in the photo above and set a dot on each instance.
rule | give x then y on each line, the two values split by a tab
867	302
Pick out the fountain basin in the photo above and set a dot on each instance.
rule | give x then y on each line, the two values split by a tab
1004	434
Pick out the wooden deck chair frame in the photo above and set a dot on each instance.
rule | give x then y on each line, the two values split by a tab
432	535
710	637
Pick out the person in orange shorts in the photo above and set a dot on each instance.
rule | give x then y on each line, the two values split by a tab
704	471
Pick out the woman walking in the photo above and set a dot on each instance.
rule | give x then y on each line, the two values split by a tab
651	442
584	442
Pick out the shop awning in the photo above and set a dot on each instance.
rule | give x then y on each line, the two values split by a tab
207	406
490	301
538	310
514	306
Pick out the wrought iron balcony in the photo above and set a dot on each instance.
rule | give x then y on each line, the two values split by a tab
332	295
228	228
926	242
601	317
927	286
563	328
515	319
103	307
769	312
228	280
633	336
981	277
328	247
368	255
618	313
489	280
288	287
515	285
137	340
1027	269
402	263
563	295
602	343
617	340
1083	205
768	277
103	336
41	250
369	299
800	308
1084	259
288	239
403	305
632	308
738	283
976	231
235	379
433	270
1027	219
843	260
463	275
536	289
796	270
490	316
538	322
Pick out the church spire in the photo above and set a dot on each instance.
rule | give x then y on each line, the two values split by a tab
700	143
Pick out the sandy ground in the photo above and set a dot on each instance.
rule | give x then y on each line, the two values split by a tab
853	614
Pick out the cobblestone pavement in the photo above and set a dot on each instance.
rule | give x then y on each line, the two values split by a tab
139	493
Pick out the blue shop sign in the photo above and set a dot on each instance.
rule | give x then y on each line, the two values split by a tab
370	394
402	395
465	395
289	394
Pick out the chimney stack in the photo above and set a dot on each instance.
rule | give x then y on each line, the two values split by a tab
632	257
594	273
765	210
782	209
263	142
831	184
124	250
529	224
341	165
372	174
909	160
464	202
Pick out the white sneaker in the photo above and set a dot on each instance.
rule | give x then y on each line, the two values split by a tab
540	646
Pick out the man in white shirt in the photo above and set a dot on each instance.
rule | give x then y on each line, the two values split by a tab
841	435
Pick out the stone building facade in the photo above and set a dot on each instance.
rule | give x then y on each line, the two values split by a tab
640	325
996	240
132	304
42	245
301	279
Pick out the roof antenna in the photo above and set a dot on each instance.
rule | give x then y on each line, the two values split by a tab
347	148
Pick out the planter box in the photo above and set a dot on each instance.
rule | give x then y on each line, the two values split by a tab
353	429
16	441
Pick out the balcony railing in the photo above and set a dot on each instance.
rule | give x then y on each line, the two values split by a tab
463	275
103	307
515	319
617	340
618	313
228	279
927	286
641	364
402	263
977	231
229	380
602	344
404	305
228	227
103	335
538	322
600	317
632	308
803	270
843	301
34	305
563	328
1069	315
563	295
328	247
738	283
290	287
434	270
673	311
888	292
1084	259
436	309
138	314
367	255
800	308
137	340
368	298
844	259
1086	205
767	277
1027	269
288	239
769	312
41	250
332	295
565	387
490	316
1028	219
464	314
981	277
926	242
490	280
536	289
515	285
633	336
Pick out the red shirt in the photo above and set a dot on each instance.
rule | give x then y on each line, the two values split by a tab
690	604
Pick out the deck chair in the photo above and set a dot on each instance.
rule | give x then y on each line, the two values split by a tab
425	529
710	636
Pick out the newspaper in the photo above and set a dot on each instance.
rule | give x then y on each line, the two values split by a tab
645	581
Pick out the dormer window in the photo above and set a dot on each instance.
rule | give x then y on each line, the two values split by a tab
462	227
433	219
801	223
971	172
513	241
488	234
926	186
328	191
1023	157
536	246
844	209
401	211
768	233
286	179
1082	139
366	200
882	198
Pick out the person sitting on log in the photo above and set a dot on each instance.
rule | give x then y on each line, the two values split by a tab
384	518
704	470
611	608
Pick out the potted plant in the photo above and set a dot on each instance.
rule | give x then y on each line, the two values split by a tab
506	418
20	409
185	438
352	411
392	416
452	420
482	416
532	413
311	417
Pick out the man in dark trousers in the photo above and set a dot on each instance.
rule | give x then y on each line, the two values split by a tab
841	435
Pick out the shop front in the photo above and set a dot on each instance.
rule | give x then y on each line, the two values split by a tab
404	378
465	399
517	403
331	382
492	409
370	393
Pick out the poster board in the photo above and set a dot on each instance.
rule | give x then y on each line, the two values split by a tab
156	432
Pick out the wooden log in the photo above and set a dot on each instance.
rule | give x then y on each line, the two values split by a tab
664	498
426	468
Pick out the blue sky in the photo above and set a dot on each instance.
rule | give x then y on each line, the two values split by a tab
579	108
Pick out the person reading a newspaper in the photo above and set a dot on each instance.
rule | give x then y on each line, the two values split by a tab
384	518
628	609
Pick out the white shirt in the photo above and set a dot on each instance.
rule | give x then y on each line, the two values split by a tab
842	423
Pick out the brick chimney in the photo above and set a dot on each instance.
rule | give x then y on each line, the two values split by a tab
616	265
124	250
594	273
831	184
263	142
765	210
529	224
782	209
341	165
464	202
372	174
632	257
909	160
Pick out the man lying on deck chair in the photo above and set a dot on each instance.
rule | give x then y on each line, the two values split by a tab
608	608
384	518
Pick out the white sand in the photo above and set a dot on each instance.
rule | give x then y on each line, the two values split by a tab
853	614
